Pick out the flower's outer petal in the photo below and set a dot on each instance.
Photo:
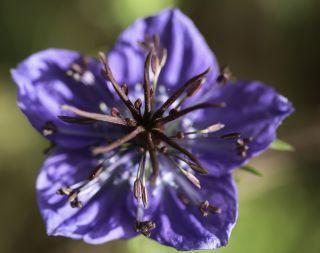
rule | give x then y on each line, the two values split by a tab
102	218
183	227
43	87
188	52
252	109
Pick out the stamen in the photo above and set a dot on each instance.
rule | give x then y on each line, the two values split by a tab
242	146
95	116
176	115
137	189
205	208
97	172
193	166
138	184
180	135
163	149
102	174
155	64
146	86
177	147
140	150
74	120
184	199
64	191
115	112
212	128
74	201
145	199
230	136
125	89
107	74
145	227
179	92
138	104
192	178
118	142
153	158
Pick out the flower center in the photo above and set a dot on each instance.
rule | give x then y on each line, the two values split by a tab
147	132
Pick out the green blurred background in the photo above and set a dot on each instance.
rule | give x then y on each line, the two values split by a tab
276	41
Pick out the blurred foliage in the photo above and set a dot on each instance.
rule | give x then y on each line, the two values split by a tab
276	41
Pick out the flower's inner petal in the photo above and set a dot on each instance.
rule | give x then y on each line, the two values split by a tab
45	84
187	51
99	219
253	110
188	228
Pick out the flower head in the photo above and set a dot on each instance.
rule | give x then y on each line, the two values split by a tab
145	139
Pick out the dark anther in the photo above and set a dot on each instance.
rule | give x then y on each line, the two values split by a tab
64	191
153	158
192	165
73	199
194	88
177	114
130	122
95	116
96	172
184	199
205	208
173	112
155	64
145	227
125	89
151	93
137	104
145	199
140	150
230	136
77	69
242	146
76	203
198	168
163	149
115	112
72	196
137	189
180	135
49	128
74	120
146	85
225	75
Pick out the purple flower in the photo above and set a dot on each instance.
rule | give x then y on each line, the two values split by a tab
145	140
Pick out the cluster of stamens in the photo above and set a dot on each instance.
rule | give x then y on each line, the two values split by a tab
146	130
